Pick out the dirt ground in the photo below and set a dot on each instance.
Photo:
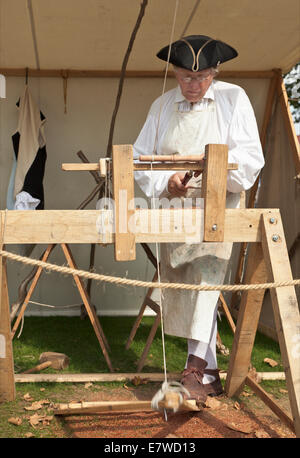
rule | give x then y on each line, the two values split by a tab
247	417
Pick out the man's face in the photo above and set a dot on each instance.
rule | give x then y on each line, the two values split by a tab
194	85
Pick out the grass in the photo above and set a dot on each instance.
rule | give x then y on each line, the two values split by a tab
77	339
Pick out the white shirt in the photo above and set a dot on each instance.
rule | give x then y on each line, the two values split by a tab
237	126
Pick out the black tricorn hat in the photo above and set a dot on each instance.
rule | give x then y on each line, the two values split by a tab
197	52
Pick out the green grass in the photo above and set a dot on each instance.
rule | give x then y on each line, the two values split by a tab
76	338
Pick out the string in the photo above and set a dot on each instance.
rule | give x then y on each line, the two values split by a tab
153	199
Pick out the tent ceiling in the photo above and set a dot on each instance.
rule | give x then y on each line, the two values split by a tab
94	34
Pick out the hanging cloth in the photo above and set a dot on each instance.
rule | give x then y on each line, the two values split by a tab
190	314
26	189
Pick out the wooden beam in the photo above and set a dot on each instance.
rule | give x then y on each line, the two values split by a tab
121	377
7	383
285	308
97	407
266	398
214	180
71	73
80	226
78	167
248	316
123	194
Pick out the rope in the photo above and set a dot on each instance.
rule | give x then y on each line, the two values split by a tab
165	384
141	283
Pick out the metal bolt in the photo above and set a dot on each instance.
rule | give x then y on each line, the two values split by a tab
275	238
214	227
272	220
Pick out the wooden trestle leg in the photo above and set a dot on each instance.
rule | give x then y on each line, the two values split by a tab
7	382
268	261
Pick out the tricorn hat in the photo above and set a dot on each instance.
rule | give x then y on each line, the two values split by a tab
197	52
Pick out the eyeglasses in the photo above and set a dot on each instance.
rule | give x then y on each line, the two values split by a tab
189	79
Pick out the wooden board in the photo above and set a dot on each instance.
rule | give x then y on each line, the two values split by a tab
121	377
285	308
246	327
214	180
7	383
90	167
80	226
123	194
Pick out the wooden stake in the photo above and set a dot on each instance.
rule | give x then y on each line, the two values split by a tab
7	382
285	308
123	187
247	323
214	181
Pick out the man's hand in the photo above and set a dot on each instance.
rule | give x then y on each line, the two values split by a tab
175	186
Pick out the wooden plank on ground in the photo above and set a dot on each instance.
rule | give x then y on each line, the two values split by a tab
121	377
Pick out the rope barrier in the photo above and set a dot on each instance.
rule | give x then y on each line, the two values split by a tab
141	283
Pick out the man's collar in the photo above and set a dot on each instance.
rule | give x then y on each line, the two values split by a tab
208	95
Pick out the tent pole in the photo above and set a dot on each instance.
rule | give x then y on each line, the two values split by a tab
263	137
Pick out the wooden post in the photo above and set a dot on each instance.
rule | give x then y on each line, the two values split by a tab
247	323
7	382
285	308
123	188
214	192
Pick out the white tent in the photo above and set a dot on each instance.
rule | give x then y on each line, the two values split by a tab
73	51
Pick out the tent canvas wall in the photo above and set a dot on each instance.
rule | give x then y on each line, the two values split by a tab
86	41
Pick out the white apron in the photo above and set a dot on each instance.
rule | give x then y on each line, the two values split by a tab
190	314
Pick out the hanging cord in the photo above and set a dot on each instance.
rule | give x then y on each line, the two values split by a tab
122	77
166	387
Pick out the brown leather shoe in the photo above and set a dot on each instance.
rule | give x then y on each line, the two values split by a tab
192	378
214	388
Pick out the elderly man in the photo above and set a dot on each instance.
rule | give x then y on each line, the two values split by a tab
199	111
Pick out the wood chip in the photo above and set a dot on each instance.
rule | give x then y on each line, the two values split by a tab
271	362
139	381
246	429
28	397
212	403
237	406
36	419
261	434
37	405
17	421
